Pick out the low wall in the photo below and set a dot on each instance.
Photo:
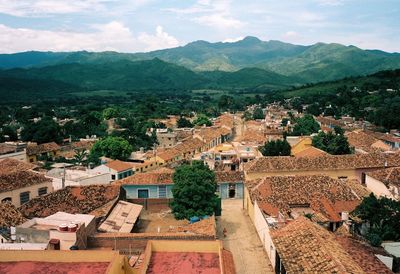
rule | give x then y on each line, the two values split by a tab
152	204
135	243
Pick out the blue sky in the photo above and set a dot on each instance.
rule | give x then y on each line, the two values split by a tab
144	25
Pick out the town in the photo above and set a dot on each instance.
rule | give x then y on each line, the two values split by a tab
267	190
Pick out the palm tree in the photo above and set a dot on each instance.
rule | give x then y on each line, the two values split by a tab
80	156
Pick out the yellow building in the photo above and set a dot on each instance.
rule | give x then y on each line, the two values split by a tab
48	150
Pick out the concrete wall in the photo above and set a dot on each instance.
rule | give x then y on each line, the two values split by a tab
224	190
377	187
263	232
33	189
132	191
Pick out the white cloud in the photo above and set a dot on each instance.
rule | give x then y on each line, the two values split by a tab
213	13
330	2
233	40
112	36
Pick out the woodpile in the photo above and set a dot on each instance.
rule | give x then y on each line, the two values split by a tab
71	200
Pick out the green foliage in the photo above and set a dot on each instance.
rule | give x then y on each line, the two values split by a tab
383	215
109	113
202	120
183	122
112	147
258	113
305	126
80	156
276	148
247	116
194	191
333	143
44	131
10	132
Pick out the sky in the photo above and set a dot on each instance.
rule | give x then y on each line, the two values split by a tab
145	25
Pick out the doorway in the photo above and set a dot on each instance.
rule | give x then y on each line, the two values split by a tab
232	191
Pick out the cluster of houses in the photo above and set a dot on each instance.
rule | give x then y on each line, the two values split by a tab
118	212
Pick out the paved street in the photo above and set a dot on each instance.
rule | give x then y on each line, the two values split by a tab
242	240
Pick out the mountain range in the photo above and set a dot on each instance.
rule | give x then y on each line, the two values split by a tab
247	63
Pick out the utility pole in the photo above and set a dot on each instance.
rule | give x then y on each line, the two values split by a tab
63	178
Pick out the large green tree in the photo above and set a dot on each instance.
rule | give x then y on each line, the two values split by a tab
194	191
202	120
276	148
112	147
305	125
183	122
383	216
258	113
333	143
44	131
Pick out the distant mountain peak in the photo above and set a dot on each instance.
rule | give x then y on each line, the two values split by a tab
250	40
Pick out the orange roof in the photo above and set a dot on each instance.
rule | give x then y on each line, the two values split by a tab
33	149
306	247
118	165
311	152
9	165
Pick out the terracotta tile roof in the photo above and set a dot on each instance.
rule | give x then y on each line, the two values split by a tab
229	176
321	193
388	176
169	154
228	263
4	149
253	136
306	247
360	190
72	200
119	166
9	165
326	162
33	149
20	179
162	176
363	254
225	120
210	133
9	215
329	121
366	142
311	152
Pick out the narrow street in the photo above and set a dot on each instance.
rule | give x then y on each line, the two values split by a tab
242	239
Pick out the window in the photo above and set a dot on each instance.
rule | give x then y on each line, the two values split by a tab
162	191
7	199
143	193
31	160
24	197
113	177
342	177
42	191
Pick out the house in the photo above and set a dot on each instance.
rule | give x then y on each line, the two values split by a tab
18	184
35	152
158	184
166	138
302	246
13	150
59	231
311	152
116	168
384	182
278	198
352	166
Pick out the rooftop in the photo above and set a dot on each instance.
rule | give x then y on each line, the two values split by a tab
306	247
9	165
366	142
33	149
118	165
122	218
84	200
9	215
311	152
50	267
326	162
388	176
322	194
20	179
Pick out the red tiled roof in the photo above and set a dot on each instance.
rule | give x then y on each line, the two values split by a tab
33	149
72	200
388	176
321	193
9	215
9	165
306	247
326	162
311	152
118	165
20	179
